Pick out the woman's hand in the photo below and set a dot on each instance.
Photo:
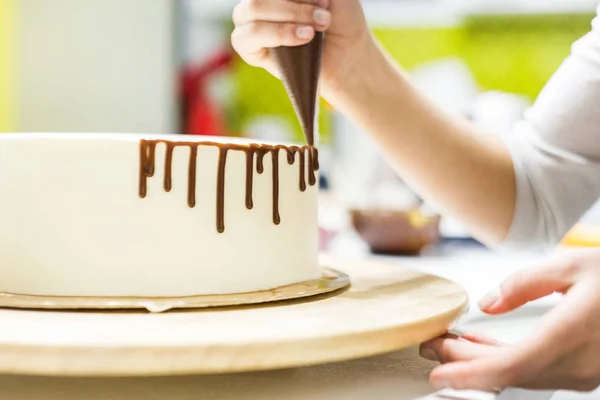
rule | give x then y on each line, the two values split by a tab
562	354
261	25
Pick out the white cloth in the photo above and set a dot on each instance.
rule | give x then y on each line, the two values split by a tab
556	150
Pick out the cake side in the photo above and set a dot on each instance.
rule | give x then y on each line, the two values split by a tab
76	223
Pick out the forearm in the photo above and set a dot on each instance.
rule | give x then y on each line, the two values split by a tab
467	174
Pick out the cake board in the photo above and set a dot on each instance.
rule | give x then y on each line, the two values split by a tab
330	281
387	308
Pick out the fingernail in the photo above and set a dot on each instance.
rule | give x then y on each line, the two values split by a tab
430	355
322	17
490	299
304	32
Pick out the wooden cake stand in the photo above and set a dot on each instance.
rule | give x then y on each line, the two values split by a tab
387	308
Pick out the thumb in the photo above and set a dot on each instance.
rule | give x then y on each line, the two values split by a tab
529	285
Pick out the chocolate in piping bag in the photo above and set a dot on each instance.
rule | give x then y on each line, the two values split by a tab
300	68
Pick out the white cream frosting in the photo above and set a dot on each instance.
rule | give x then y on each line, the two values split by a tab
73	224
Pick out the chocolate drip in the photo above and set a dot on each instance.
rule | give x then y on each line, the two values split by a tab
312	179
315	158
192	176
291	154
221	190
147	161
249	177
302	169
260	165
168	167
276	216
148	166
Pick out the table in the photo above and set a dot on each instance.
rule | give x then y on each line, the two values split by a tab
398	376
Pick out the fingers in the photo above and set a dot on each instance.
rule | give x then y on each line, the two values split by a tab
565	328
575	365
447	350
486	374
492	375
265	24
529	285
284	11
560	332
255	37
481	338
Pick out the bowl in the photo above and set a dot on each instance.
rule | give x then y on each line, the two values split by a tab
396	232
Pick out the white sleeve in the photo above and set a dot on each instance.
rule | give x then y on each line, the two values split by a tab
556	151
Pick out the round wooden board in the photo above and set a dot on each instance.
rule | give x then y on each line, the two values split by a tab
387	308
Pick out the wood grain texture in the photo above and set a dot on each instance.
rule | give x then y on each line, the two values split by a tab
387	308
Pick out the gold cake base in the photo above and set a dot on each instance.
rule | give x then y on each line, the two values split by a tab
331	281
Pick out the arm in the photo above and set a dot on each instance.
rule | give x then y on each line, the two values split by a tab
467	174
520	192
526	190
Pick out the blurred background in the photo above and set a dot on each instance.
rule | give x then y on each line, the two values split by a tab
166	66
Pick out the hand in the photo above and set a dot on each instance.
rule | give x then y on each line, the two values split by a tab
261	25
562	354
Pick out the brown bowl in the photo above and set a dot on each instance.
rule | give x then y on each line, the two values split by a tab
396	232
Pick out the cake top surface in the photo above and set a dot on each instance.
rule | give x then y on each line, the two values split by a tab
135	137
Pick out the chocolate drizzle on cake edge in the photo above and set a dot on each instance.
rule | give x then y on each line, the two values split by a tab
147	170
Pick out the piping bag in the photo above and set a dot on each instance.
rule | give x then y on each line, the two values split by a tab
300	67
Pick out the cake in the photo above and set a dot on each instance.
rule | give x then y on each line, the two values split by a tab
128	215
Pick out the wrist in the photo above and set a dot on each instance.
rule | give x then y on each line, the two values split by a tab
362	71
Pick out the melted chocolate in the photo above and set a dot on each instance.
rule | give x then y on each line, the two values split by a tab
192	176
146	166
168	167
276	216
302	171
260	166
312	179
221	190
253	151
249	179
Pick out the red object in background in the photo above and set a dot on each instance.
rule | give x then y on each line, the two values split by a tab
326	236
200	115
